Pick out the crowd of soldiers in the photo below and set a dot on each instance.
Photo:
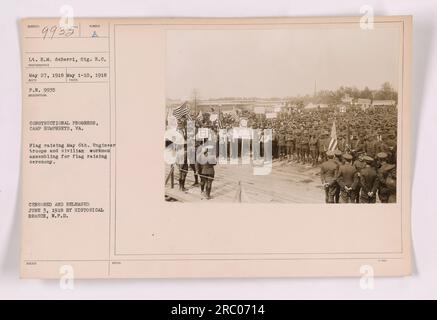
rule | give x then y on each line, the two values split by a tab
361	167
359	181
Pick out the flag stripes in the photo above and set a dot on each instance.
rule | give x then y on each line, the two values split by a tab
182	111
333	142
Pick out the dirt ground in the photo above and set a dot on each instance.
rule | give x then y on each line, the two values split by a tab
288	182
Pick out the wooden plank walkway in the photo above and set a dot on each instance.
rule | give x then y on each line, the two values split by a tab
288	182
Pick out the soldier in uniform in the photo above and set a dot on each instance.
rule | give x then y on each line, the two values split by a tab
317	136
194	166
282	144
323	145
390	183
328	174
313	149
391	148
347	179
356	145
383	168
182	159
337	158
305	146
207	163
183	170
358	164
368	181
289	142
341	145
298	146
275	153
372	146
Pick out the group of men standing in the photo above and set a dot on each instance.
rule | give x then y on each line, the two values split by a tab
303	146
361	169
203	166
359	181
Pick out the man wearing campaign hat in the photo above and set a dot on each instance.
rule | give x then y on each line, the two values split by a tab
347	179
328	175
368	182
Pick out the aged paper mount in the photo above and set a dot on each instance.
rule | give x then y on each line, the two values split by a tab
286	106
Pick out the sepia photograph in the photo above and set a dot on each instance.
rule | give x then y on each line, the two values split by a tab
266	121
283	115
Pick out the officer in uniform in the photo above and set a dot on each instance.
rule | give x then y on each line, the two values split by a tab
384	167
368	181
347	179
207	163
328	174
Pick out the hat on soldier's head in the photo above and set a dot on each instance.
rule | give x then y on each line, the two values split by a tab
347	156
330	153
382	155
390	167
368	159
337	153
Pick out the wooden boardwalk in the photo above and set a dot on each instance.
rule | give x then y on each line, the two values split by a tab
288	182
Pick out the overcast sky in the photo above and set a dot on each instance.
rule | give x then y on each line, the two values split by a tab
279	63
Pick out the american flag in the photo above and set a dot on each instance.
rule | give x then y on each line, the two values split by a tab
333	143
182	111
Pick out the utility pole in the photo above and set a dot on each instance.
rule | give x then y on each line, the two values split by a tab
195	100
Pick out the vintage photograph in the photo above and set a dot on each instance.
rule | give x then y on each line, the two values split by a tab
282	115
